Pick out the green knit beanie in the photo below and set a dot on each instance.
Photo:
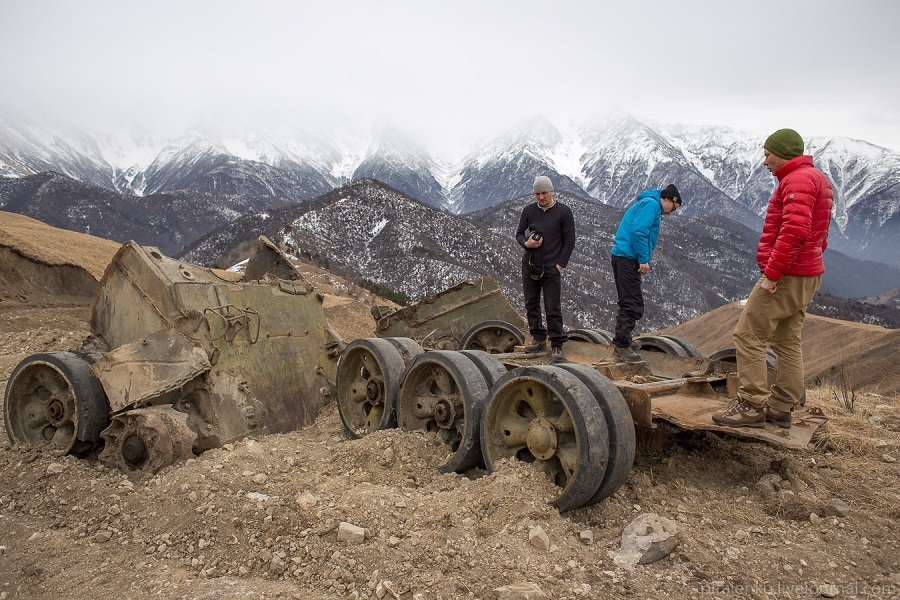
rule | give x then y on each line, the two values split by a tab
785	143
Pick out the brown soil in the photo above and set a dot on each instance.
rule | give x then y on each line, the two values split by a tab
260	518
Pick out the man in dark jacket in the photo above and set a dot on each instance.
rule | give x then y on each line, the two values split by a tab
547	233
631	252
794	237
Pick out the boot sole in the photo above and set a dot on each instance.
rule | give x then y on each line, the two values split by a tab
780	424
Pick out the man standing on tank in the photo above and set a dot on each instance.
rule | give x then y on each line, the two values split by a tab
547	233
790	259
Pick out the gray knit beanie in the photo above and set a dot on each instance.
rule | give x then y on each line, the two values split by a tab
542	183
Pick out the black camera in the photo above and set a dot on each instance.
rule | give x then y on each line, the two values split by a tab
536	236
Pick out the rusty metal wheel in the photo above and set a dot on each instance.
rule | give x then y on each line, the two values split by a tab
53	400
444	392
546	416
494	337
489	365
594	336
656	343
689	348
622	438
144	440
408	348
730	355
368	380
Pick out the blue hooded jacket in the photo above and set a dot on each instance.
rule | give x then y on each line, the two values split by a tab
637	233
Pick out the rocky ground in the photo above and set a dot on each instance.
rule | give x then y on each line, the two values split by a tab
263	518
313	514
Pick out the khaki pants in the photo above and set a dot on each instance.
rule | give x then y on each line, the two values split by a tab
774	320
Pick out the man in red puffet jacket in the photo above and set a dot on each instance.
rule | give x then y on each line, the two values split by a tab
794	237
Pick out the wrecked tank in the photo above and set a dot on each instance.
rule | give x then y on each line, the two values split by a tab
575	421
180	359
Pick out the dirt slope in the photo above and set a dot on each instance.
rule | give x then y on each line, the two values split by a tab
260	518
867	354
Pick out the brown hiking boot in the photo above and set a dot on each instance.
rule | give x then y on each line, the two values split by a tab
556	355
779	418
740	413
626	355
535	347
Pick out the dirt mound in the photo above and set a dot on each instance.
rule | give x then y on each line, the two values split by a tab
867	354
45	266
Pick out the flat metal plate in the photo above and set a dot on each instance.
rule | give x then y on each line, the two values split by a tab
695	412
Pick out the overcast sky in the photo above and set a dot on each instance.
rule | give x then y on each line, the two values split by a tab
449	69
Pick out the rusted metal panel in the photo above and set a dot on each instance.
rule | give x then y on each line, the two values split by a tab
441	320
695	412
142	371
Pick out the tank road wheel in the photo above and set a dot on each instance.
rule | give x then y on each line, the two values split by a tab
657	343
368	380
730	355
546	416
622	438
489	365
145	440
692	351
495	337
593	336
53	400
444	391
408	348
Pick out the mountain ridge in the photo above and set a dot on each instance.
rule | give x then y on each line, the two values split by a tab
609	160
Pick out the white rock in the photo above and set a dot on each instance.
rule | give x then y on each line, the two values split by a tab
836	508
646	539
307	500
538	538
103	536
350	533
524	590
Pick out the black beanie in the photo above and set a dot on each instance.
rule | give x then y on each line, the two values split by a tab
670	191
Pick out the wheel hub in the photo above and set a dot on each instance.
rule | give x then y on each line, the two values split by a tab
56	412
373	391
444	414
134	451
541	438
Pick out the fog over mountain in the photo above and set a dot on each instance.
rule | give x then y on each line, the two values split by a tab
719	170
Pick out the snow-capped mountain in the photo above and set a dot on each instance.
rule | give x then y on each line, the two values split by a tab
368	231
718	170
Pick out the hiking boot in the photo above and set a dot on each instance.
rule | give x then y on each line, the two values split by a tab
535	346
779	418
740	413
556	355
626	355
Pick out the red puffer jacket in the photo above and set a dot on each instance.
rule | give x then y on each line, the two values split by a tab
795	233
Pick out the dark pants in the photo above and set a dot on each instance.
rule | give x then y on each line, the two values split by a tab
551	285
631	300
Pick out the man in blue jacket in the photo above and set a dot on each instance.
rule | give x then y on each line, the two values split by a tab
631	252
